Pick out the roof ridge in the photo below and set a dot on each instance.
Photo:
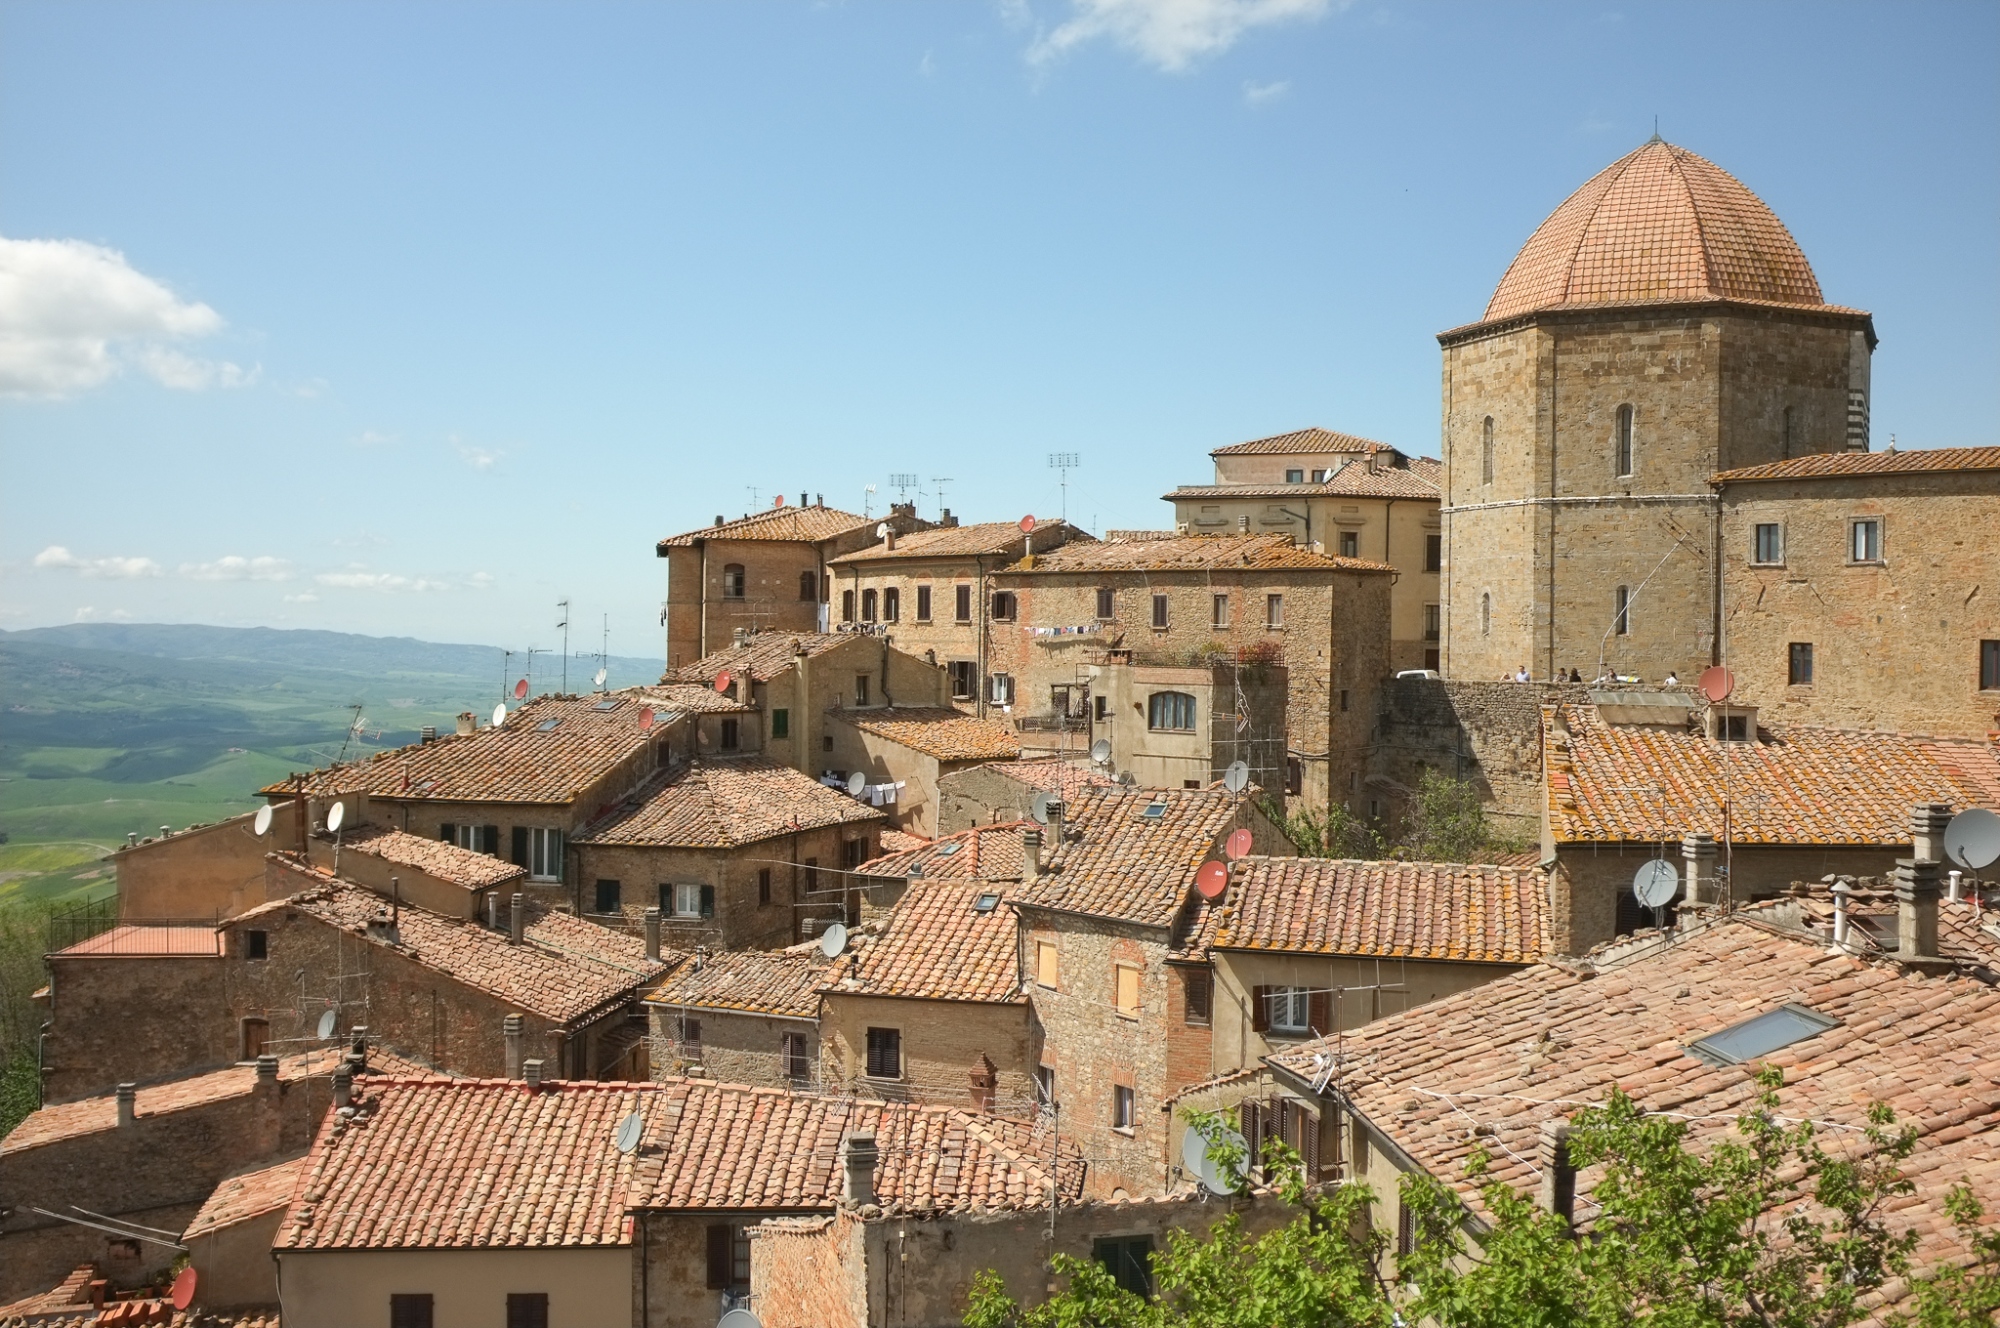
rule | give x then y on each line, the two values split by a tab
1679	171
1616	170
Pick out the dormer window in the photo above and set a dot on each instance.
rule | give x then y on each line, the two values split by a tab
1732	723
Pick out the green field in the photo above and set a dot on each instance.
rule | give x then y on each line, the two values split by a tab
56	871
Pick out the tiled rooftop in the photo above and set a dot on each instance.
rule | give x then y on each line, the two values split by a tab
938	731
1122	863
1351	481
245	1195
1485	1068
987	539
1835	465
434	857
548	752
900	841
783	982
938	944
789	524
763	657
1402	910
1797	785
1069	778
981	853
688	698
1303	440
68	1305
1658	224
712	802
1193	553
148	941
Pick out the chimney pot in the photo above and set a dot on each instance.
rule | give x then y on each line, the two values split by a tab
343	1086
802	499
512	1026
128	1104
267	1069
517	925
466	724
1928	821
1558	1191
1698	853
357	1048
861	1155
429	733
531	1071
1916	910
652	933
1056	813
1031	853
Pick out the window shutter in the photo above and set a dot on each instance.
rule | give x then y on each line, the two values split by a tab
1260	1009
520	845
1250	1120
708	901
1309	1142
448	833
1319	1007
720	1256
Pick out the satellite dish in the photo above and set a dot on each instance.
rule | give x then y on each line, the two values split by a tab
1039	808
645	719
1027	525
1238	845
779	501
1237	777
1655	884
336	816
629	1131
857	782
183	1293
722	681
598	681
326	1023
1212	880
261	823
499	714
521	690
1716	683
833	940
739	1318
1100	751
1210	1174
882	530
1973	838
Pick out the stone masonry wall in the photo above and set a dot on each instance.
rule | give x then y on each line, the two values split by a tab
1487	732
133	1019
736	1047
942	1043
805	882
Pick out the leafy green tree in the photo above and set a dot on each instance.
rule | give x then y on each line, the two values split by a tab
1333	833
1444	822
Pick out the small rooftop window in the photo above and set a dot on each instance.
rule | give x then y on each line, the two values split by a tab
1759	1037
986	903
608	703
546	725
1154	811
946	850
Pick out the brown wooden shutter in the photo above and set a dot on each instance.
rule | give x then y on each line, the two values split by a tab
1260	1009
721	1256
1309	1142
1249	1113
1319	1006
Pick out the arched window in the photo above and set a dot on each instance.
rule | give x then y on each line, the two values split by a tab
1486	614
1170	710
892	604
1621	442
732	581
808	584
1486	451
868	606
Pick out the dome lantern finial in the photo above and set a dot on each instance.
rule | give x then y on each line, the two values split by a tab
1656	132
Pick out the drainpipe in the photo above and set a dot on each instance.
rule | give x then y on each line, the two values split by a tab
701	628
1306	517
979	686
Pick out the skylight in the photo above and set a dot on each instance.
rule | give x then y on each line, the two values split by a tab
1758	1037
986	903
946	850
609	703
1154	811
546	725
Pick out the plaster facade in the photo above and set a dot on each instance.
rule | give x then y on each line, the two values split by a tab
586	1287
946	1049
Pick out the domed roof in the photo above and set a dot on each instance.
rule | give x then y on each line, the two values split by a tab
1658	224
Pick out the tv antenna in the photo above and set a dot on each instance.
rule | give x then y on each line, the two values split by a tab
756	499
1064	463
530	652
563	604
902	482
867	500
937	484
356	730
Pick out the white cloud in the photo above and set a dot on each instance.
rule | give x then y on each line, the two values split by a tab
479	580
89	614
1168	34
58	558
374	438
303	597
358	578
73	314
478	458
232	567
1256	94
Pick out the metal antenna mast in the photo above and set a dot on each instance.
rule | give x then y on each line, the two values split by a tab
563	604
938	482
1064	462
902	482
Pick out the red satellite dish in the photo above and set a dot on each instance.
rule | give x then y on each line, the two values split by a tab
1027	524
722	681
1238	845
183	1292
645	719
520	689
1716	683
1211	880
779	501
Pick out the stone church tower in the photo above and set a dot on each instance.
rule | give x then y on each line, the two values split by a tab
1660	326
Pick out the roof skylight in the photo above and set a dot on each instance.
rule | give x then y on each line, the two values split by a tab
986	903
1758	1037
546	725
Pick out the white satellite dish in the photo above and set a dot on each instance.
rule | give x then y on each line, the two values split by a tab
261	823
326	1023
833	940
598	681
336	816
1100	751
1973	838
1655	884
1210	1174
1237	777
1039	808
629	1132
857	783
881	530
739	1318
499	714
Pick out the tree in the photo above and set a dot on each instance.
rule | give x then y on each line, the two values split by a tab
1334	833
1445	821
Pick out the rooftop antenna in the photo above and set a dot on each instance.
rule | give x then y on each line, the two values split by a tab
1064	462
756	498
1656	131
563	604
604	653
867	500
937	483
902	482
354	731
530	652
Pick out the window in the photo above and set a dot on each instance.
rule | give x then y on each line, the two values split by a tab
1045	1083
1295	477
1433	553
1865	543
1343	698
797	1067
1291	1009
256	1036
1486	614
1798	664
847	606
256	945
1129	1260
1125	982
808	585
728	1257
964	679
409	1311
1195	996
1989	666
527	1309
1295	773
1769	543
986	903
732	581
868	605
1433	621
545	848
961	603
885	1053
1621	610
892	605
1124	1111
1274	611
1350	544
1170	710
1406	1230
1320	476
853	852
1486	451
1102	708
1106	601
923	603
1621	442
1159	611
477	838
1219	615
1047	968
732	734
688	900
1003	606
608	896
1000	688
1760	1036
1733	728
691	1037
763	886
861	689
812	875
781	723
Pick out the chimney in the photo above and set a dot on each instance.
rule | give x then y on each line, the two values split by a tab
739	638
513	1026
889	540
1558	1192
1841	893
466	723
267	1070
652	933
1698	853
517	925
1056	810
128	1104
819	500
1927	826
428	733
802	499
859	1156
1031	854
1916	910
531	1071
343	1086
718	518
357	1051
985	1078
1243	524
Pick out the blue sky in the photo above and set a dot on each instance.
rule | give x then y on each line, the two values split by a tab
415	318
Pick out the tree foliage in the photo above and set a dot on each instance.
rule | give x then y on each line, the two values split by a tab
1444	821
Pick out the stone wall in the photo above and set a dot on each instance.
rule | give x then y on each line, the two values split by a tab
943	1043
1487	732
208	871
737	1047
134	1019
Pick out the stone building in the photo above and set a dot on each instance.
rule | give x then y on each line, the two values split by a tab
742	1016
1343	495
902	752
1183	726
1661	326
1857	589
1006	790
1208	599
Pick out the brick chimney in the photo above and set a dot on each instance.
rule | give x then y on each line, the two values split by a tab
1917	915
128	1104
1558	1189
859	1156
1698	855
517	924
653	933
513	1026
985	1078
1031	854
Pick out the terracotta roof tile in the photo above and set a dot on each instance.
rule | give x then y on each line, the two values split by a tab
246	1194
1069	778
900	841
762	657
716	803
147	941
1192	553
938	731
938	943
1350	481
1797	785
447	862
1303	440
1118	862
782	982
980	853
792	525
688	698
1406	910
987	539
1835	465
